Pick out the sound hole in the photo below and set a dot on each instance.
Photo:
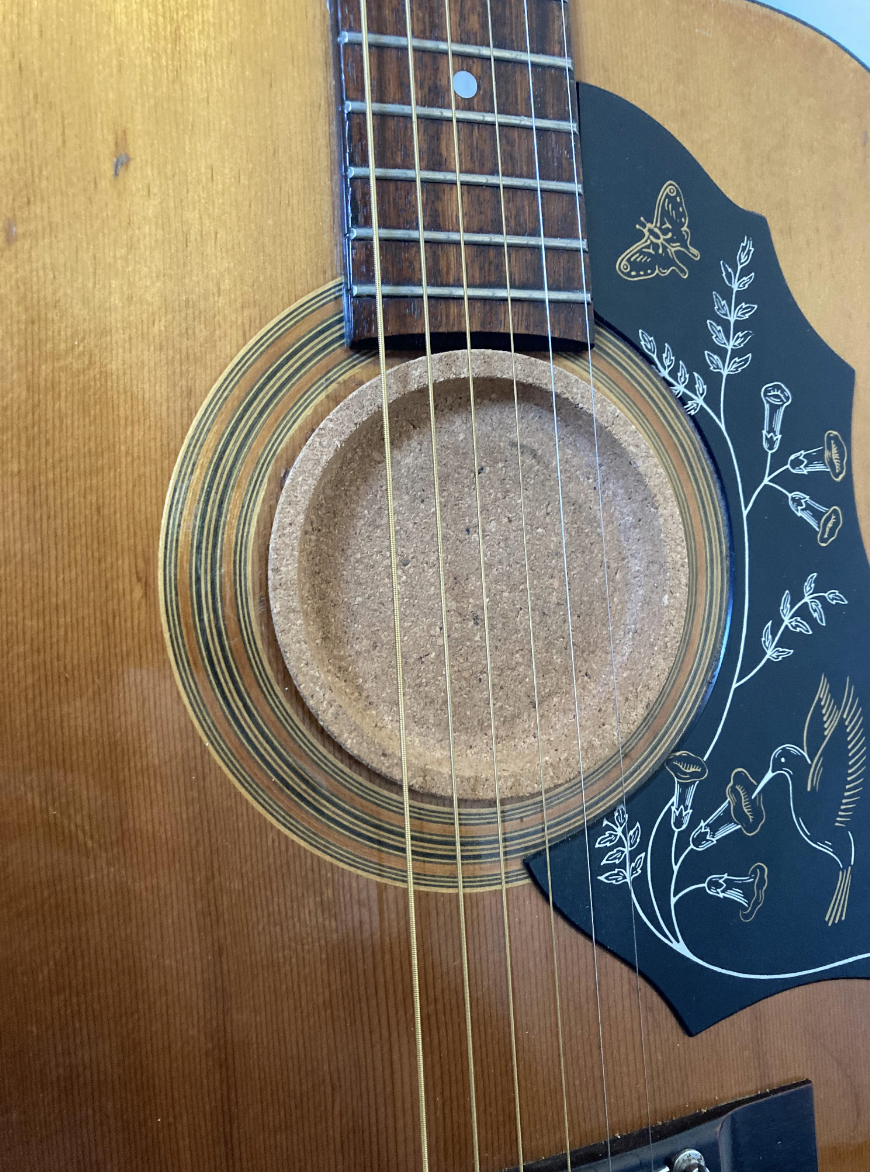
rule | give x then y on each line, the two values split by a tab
331	589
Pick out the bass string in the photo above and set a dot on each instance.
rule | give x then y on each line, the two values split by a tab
545	282
379	302
485	603
533	657
628	861
466	988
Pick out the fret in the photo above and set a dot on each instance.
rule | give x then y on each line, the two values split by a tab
384	41
412	234
475	293
540	194
470	180
481	117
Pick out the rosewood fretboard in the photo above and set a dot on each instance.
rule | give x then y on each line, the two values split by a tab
537	134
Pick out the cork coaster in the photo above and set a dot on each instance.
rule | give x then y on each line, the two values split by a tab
330	579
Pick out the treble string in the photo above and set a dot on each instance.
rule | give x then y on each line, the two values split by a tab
485	607
466	991
606	593
545	280
379	300
557	992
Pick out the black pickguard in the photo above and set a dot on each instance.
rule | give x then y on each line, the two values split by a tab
767	906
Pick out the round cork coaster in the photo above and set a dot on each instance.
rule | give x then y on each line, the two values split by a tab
274	742
586	597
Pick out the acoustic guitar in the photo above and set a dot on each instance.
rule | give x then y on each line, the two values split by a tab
430	696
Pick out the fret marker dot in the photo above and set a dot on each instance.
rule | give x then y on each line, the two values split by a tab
464	83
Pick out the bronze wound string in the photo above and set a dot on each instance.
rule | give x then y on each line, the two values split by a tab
485	605
466	992
379	300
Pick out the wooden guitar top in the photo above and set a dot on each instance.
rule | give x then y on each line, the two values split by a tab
184	986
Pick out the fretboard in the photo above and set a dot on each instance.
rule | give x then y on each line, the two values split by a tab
519	188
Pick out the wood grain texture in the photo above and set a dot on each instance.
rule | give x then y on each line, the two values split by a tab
185	988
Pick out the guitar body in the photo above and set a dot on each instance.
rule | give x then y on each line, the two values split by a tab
185	987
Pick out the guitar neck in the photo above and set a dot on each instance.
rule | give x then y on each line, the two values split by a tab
485	141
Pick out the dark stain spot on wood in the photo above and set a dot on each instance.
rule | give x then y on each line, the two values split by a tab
120	161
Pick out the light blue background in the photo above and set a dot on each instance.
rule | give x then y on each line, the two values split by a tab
847	21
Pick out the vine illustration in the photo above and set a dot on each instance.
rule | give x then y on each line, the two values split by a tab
743	810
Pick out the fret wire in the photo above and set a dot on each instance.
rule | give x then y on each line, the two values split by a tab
481	117
517	181
475	293
421	45
433	237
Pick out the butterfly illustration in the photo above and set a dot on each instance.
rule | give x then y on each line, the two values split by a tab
667	235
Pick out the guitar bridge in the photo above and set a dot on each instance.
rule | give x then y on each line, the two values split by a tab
774	1131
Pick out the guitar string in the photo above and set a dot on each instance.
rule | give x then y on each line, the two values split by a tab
557	991
485	605
382	361
546	290
466	988
628	862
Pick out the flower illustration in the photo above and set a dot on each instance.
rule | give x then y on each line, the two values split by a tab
746	809
747	890
687	770
708	832
831	457
776	398
825	521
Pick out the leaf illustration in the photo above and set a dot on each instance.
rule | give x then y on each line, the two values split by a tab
717	334
615	856
721	306
700	386
744	310
713	361
607	839
668	357
634	837
727	274
741	338
637	864
817	611
682	374
693	407
835	596
780	653
745	282
620	817
737	364
744	256
785	605
614	877
800	626
767	638
810	585
648	343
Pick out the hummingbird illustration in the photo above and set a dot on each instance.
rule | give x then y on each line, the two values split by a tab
825	778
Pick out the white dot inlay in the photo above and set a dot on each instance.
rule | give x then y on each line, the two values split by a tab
464	83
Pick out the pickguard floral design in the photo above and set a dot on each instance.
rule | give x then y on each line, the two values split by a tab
741	867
